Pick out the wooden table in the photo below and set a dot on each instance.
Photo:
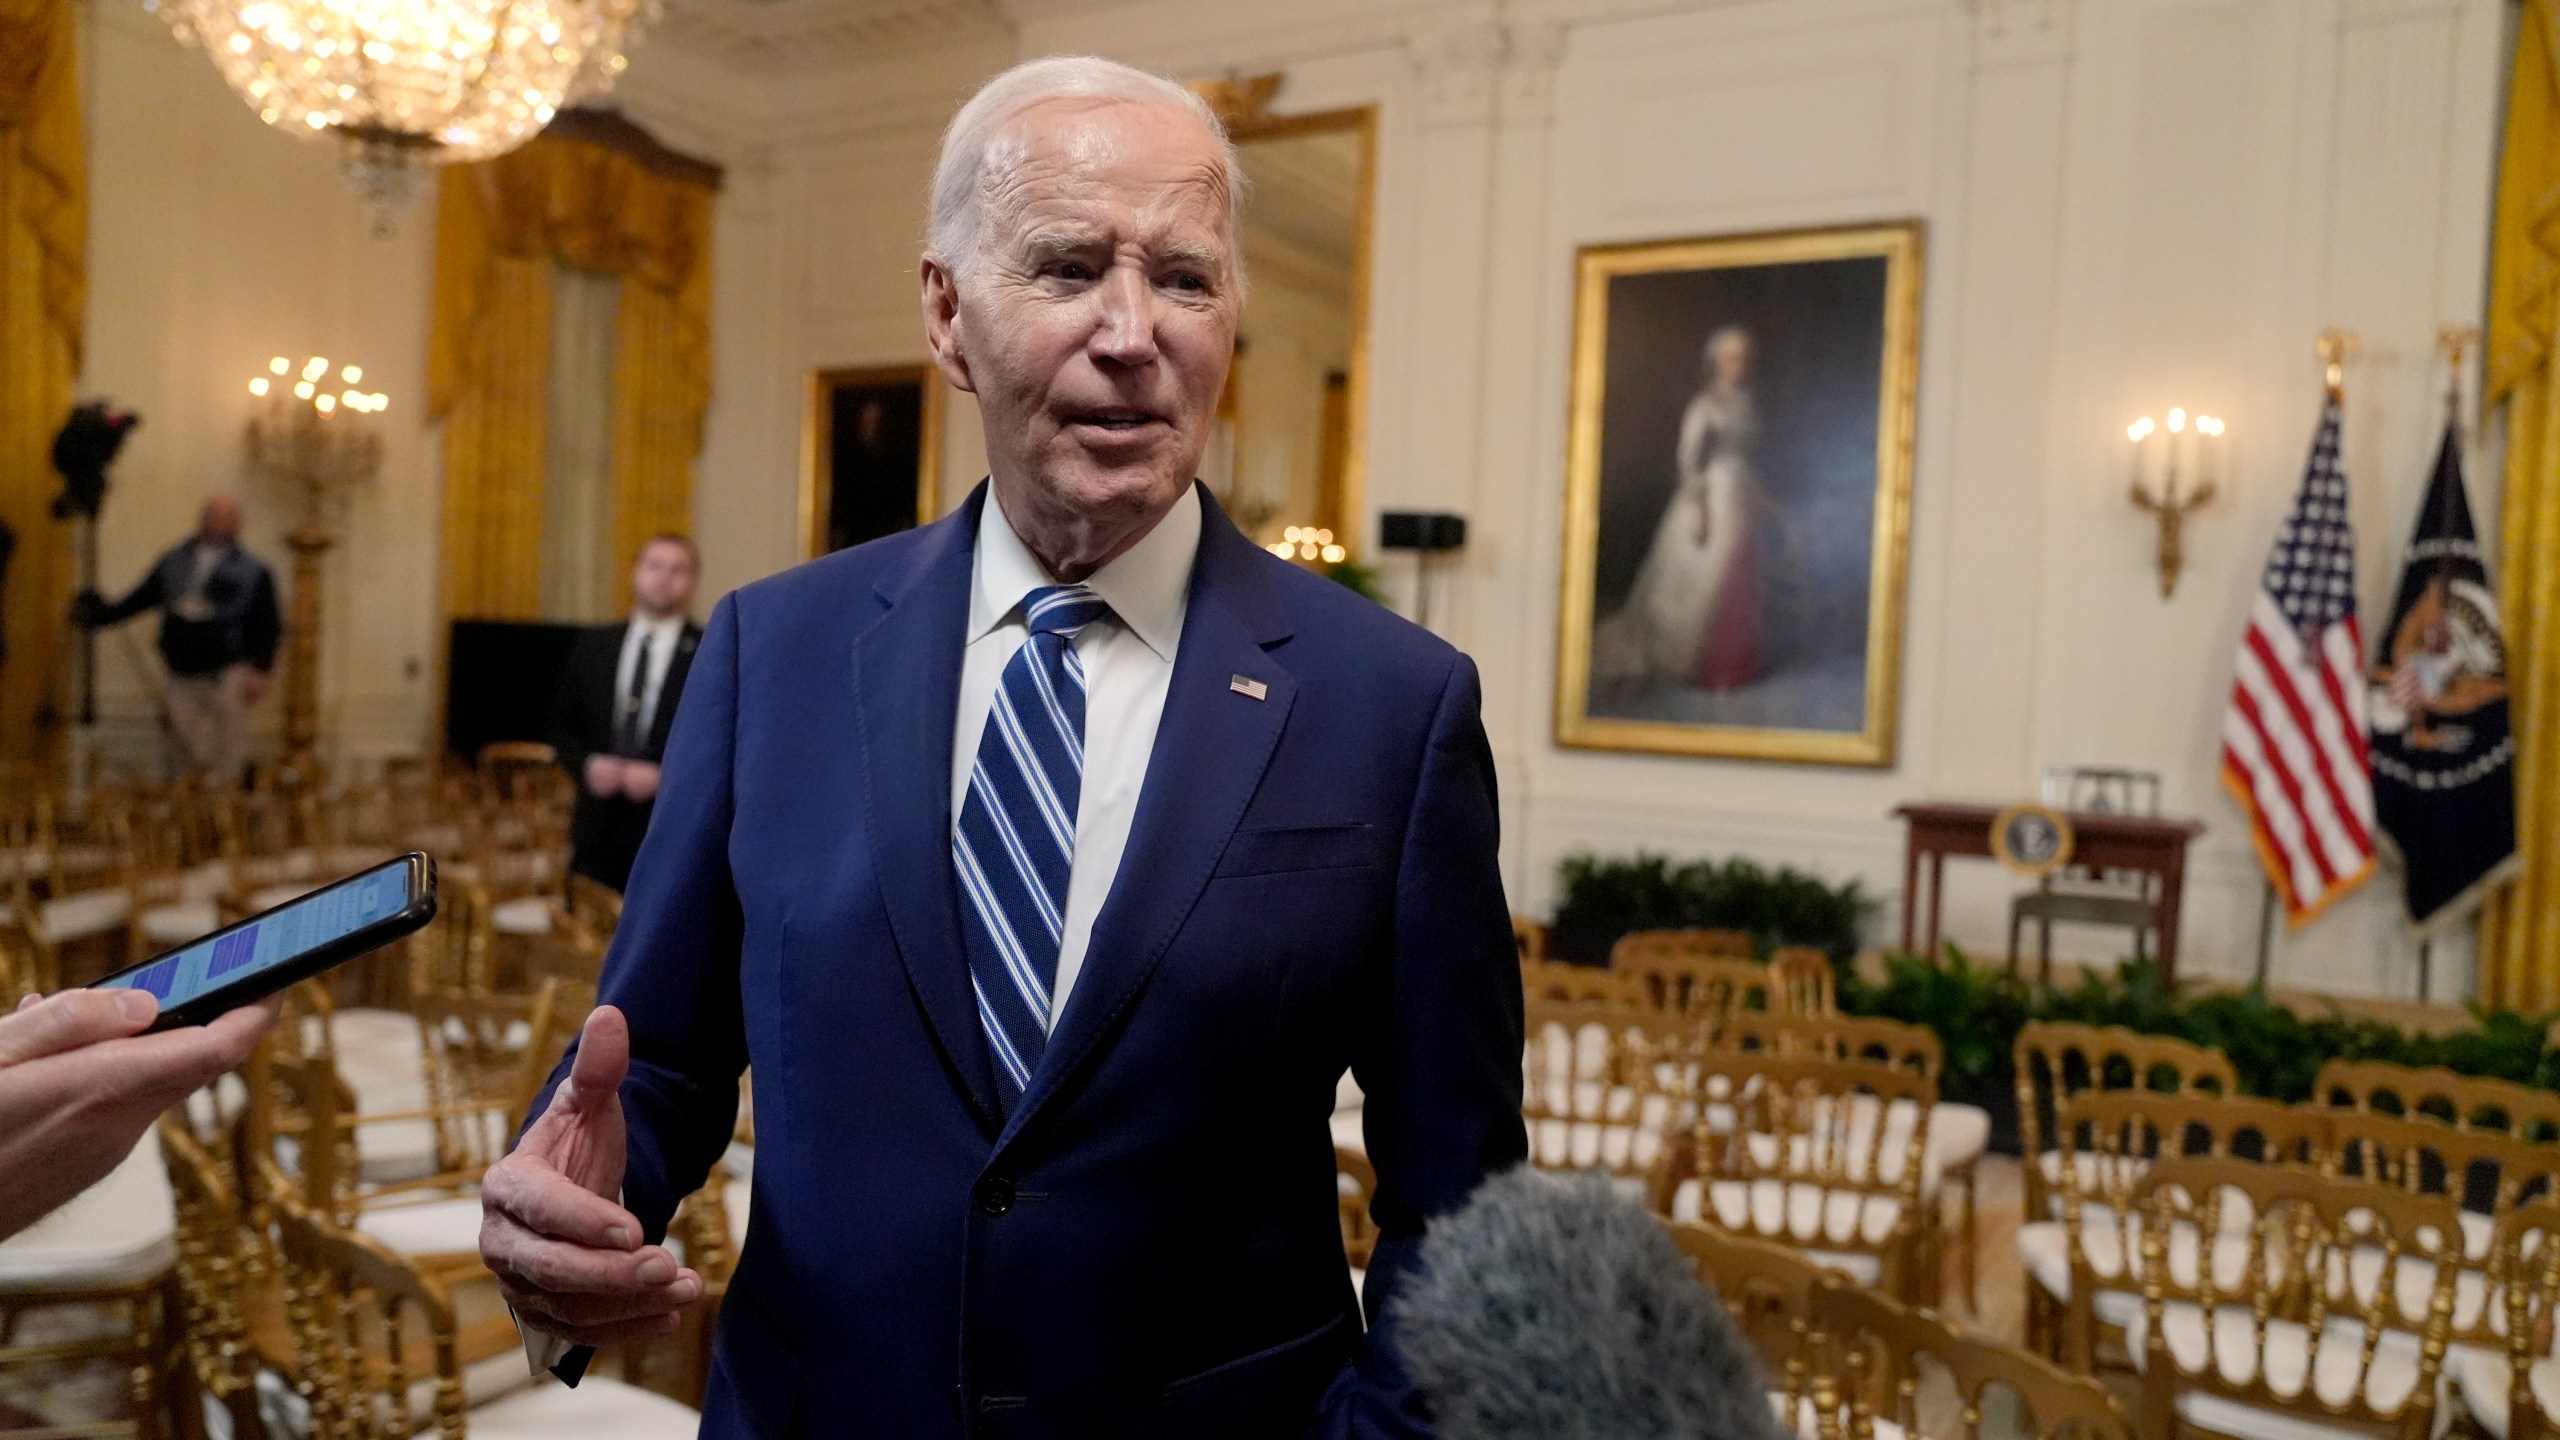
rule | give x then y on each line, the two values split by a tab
1938	829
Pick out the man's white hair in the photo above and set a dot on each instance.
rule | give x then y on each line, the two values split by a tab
962	176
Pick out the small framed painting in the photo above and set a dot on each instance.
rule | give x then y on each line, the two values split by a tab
871	457
1738	495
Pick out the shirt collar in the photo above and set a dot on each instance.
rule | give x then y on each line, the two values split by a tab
1148	586
642	625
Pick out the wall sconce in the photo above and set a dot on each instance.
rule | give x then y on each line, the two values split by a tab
2161	456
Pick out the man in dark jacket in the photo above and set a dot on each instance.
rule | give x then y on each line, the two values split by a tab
609	723
219	626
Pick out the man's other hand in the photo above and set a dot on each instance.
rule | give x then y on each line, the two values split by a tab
80	1082
639	779
567	1256
604	776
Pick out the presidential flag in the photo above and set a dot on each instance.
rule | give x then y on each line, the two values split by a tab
2443	753
2294	750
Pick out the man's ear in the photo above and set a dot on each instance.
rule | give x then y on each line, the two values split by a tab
942	332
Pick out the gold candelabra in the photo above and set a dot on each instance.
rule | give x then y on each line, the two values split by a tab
315	446
2167	451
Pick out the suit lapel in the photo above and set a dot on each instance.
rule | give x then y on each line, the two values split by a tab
907	686
671	689
1211	749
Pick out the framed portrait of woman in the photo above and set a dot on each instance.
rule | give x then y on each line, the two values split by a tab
1738	495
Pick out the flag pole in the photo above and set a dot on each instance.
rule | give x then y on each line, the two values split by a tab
2266	934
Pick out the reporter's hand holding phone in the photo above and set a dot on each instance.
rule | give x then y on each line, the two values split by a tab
567	1256
80	1082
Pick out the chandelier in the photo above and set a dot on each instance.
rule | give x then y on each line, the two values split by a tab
404	84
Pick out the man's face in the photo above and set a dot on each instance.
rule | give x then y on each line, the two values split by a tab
1097	318
220	520
662	579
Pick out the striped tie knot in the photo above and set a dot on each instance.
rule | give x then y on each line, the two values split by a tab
1062	610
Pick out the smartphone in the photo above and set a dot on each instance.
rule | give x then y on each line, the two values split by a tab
294	941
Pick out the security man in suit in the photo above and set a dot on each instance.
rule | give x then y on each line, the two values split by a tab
610	720
219	628
1049	864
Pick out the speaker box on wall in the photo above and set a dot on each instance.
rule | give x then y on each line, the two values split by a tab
1421	530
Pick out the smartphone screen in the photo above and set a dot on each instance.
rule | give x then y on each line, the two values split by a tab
275	938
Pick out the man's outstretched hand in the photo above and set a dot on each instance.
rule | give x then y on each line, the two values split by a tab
567	1256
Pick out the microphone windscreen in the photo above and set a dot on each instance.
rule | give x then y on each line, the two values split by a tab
1551	1308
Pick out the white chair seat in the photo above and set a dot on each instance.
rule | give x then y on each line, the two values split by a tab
525	915
2482	1378
396	1150
1347	1132
121	1231
2045	1247
1958	1134
2283	1361
77	917
600	1406
1346	1094
1865	1269
427	1227
176	924
268	897
733	1198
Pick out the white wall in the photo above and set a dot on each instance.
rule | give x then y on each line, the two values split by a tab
2129	203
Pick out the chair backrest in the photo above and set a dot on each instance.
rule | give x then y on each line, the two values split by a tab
2428	1158
1769	1288
2525	1271
361	1316
1593	1093
2102	790
2466	1102
2366	1268
1554	980
2055	1060
1869	1038
1879	1349
485	1058
1803	980
1821	1128
1530	934
216	1270
1355	1185
1695	974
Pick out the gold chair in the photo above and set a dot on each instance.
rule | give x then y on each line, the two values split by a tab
219	1275
1879	1349
2466	1102
1356	1184
1804	981
378	1352
1696	974
2083	1270
2055	1061
1770	1289
2511	1389
110	1251
1828	1156
1554	980
2333	1308
1958	1134
1531	936
1591	1095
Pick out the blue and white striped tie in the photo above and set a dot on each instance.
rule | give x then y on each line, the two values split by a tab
1017	832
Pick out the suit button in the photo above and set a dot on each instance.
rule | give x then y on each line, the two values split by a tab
995	1195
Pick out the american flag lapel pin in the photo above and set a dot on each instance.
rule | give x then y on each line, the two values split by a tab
1248	687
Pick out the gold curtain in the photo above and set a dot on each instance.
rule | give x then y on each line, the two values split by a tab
2520	929
44	237
501	227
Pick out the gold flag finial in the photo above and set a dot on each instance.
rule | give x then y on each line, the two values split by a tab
2454	343
2336	347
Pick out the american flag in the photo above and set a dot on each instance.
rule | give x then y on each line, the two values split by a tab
2294	747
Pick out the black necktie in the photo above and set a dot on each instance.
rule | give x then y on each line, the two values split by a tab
634	737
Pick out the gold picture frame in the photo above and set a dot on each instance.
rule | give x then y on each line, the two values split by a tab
818	442
1668	644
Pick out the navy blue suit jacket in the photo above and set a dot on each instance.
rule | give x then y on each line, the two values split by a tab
1147	1244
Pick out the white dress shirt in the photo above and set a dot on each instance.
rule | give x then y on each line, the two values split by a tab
661	637
1128	666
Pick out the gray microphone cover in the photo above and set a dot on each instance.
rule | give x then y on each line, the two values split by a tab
1551	1308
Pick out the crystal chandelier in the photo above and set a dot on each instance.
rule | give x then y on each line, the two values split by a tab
404	84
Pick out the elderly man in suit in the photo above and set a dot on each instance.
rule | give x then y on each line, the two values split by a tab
1049	864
